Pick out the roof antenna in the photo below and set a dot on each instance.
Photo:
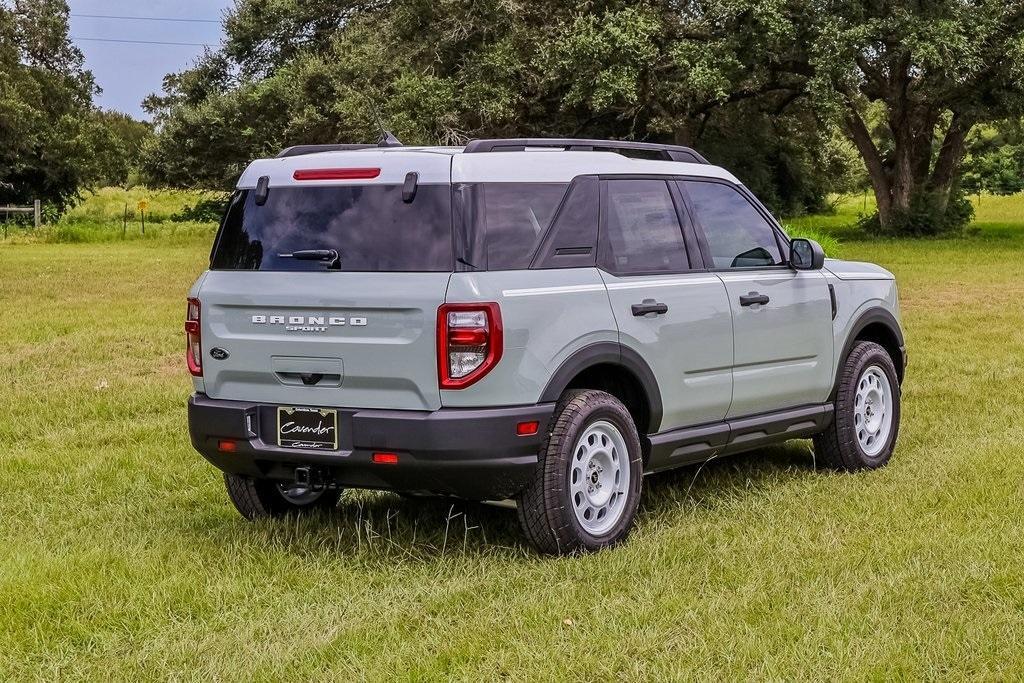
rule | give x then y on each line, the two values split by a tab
387	138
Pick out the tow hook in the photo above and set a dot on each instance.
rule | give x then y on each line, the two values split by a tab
309	478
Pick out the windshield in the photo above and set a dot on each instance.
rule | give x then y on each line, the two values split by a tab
369	226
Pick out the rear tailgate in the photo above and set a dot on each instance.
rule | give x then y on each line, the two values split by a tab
324	292
367	339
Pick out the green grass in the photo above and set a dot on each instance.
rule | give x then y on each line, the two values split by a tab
122	558
101	217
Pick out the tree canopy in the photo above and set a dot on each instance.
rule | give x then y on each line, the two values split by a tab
781	91
447	71
46	125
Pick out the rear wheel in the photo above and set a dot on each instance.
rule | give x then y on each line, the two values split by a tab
867	412
258	498
586	489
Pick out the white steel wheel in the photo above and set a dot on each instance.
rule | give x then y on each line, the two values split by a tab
599	477
873	410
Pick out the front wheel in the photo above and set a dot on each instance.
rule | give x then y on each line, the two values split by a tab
586	489
867	412
258	498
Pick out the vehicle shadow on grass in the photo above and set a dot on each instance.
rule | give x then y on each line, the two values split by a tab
386	526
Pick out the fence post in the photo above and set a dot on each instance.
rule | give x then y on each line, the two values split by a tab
37	213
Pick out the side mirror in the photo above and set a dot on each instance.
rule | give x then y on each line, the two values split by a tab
806	254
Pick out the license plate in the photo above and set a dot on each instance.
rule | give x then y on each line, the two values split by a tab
312	428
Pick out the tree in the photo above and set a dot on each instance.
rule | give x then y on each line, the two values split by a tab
118	141
934	68
47	136
447	71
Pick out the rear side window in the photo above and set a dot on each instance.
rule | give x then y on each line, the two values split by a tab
369	226
640	229
504	222
737	234
572	240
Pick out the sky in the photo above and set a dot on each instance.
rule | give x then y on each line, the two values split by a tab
127	72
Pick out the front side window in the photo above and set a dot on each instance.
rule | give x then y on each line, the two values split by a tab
737	234
369	226
640	229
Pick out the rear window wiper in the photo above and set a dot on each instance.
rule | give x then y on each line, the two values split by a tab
330	255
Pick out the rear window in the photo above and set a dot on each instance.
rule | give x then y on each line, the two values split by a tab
369	226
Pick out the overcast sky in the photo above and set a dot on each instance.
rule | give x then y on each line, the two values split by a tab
128	72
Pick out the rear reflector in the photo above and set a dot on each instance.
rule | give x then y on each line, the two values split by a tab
226	446
527	428
385	458
336	173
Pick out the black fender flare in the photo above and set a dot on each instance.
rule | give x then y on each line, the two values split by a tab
876	315
612	353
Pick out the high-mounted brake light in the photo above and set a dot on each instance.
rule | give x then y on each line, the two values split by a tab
336	173
193	340
469	343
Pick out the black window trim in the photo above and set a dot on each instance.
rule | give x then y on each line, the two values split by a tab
781	239
548	233
686	227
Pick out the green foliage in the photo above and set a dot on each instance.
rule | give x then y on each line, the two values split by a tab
47	141
448	71
829	241
118	142
929	214
112	214
995	159
53	142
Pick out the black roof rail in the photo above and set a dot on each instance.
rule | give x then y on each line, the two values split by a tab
667	152
299	150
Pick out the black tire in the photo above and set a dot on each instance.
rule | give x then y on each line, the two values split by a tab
546	507
259	498
839	446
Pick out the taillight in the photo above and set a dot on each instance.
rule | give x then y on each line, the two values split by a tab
193	342
469	343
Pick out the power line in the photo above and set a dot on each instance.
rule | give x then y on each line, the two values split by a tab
116	16
142	42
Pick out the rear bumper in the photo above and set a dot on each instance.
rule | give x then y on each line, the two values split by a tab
471	453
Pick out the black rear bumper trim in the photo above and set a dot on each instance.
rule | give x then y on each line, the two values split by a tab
470	453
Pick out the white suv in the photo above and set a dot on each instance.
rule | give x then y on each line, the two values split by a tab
537	320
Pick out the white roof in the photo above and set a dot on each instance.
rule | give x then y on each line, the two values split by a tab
449	164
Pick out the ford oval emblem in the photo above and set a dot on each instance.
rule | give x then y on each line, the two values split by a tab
218	353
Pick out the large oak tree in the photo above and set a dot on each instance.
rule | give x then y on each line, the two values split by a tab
930	70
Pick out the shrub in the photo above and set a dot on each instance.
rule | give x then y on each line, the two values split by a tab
926	217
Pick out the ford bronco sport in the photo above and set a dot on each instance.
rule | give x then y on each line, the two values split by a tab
532	319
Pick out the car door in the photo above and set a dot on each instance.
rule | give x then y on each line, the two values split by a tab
782	318
670	312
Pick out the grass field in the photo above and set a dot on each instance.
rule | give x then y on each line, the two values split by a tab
124	560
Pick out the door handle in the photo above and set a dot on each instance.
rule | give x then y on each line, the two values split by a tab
753	298
649	306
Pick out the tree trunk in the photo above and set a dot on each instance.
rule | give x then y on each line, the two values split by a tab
950	155
908	171
861	137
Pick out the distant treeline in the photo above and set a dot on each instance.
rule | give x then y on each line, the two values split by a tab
921	102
